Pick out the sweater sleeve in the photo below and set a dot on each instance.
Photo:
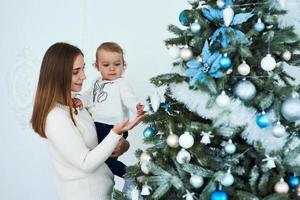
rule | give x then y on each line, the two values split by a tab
68	142
128	97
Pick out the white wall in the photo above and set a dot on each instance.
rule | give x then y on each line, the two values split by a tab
28	28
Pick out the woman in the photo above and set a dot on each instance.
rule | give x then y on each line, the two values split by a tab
78	159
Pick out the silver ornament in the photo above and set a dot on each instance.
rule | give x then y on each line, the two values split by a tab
195	27
281	187
220	3
287	55
222	100
146	190
230	148
244	69
172	140
174	52
186	53
268	63
245	90
193	2
227	179
186	140
228	15
196	181
278	130
145	157
290	109
183	156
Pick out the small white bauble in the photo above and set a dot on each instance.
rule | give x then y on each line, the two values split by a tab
245	90
174	52
228	15
155	101
230	148
183	156
220	3
172	140
145	168
268	63
195	27
227	180
145	158
244	69
196	181
287	55
192	2
281	187
186	140
222	100
186	53
278	130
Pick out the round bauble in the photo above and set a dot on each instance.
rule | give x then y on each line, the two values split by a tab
278	130
263	120
225	62
268	63
186	54
218	195
174	52
196	181
287	55
145	157
281	187
145	168
227	180
186	140
290	109
245	90
229	147
222	100
293	181
172	140
220	3
149	132
244	69
259	26
183	18
193	2
183	156
195	27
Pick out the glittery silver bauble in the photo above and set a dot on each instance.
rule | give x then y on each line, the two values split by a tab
222	100
186	54
196	181
290	109
174	52
281	187
186	140
220	3
195	27
172	140
268	63
245	90
244	69
278	130
183	156
227	180
287	55
145	157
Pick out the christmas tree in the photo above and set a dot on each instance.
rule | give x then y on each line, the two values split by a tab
227	124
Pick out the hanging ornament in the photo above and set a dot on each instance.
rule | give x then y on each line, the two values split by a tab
290	109
193	2
206	137
145	169
183	18
183	156
145	157
298	192
189	195
230	148
149	132
196	181
146	190
218	195
263	120
220	3
225	61
244	69
155	101
195	27
281	187
222	100
259	26
270	162
172	140
228	14
293	181
287	55
186	140
278	130
245	90
186	53
227	179
174	52
135	194
268	63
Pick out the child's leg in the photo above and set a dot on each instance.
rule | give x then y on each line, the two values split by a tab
102	130
117	167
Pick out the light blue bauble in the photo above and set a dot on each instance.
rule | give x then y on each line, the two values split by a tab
219	195
183	18
263	120
149	132
293	181
195	27
245	90
290	109
259	26
225	62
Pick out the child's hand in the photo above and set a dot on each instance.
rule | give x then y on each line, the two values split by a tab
140	109
77	103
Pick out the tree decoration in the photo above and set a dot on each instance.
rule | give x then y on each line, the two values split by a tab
263	120
281	187
220	3
245	90
146	191
293	181
145	157
183	156
206	137
172	140
195	27
228	15
225	62
287	55
244	69
270	163
155	101
290	109
268	63
222	100
227	179
186	53
278	130
259	26
149	132
196	181
229	147
186	140
174	52
219	195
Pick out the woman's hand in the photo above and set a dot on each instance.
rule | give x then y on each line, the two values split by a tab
121	148
126	125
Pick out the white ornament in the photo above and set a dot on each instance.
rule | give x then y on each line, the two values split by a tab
220	3
195	27
146	190
230	148
228	15
186	53
174	52
244	69
227	179
196	181
134	194
189	195
268	63
145	158
290	109
245	90
281	187
155	101
172	140
206	137
222	100
183	156
145	169
192	2
278	130
270	162
287	55
186	140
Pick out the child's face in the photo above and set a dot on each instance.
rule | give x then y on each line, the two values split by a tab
110	64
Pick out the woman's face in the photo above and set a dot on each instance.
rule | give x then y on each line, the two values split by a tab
78	75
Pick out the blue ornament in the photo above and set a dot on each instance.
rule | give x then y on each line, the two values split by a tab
149	132
225	62
183	18
293	181
259	26
263	120
219	195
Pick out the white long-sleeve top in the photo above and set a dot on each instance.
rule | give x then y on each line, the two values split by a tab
78	159
110	102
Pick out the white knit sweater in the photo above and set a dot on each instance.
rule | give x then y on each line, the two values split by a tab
80	171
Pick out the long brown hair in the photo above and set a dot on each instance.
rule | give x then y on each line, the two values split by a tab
54	85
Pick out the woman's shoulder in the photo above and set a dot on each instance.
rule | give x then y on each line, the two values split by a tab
58	112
